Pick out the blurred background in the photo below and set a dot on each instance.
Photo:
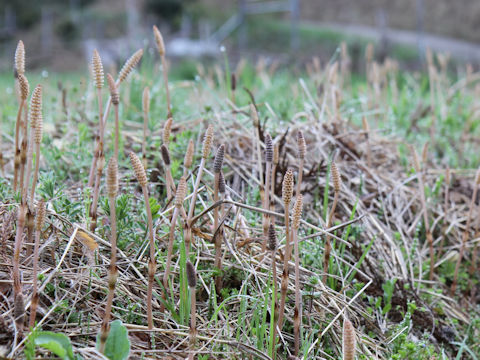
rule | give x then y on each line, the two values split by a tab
59	35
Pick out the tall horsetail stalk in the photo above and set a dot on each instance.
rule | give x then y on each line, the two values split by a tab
170	184
112	191
36	121
146	111
39	221
207	144
328	245
302	150
161	52
272	247
24	91
127	68
115	100
179	198
421	188
297	321
141	176
287	193
268	175
19	310
465	232
217	168
192	284
99	151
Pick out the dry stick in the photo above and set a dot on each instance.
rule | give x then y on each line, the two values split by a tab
418	169
366	129
465	233
328	245
19	310
115	99
297	321
268	175
217	168
161	52
146	110
24	90
112	190
192	284
274	173
168	172
287	193
445	210
40	218
127	68
100	154
207	144
179	197
348	343
254	116
141	176
272	246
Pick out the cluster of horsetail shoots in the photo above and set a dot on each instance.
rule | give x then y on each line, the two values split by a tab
336	189
112	191
141	176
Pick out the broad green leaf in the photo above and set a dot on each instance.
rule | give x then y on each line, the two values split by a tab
59	344
117	346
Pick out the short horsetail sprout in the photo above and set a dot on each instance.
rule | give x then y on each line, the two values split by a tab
188	160
328	246
167	130
179	198
348	343
297	321
141	176
115	96
146	111
36	124
266	202
19	312
192	284
466	231
302	150
217	168
161	52
112	190
24	90
287	193
168	172
39	221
